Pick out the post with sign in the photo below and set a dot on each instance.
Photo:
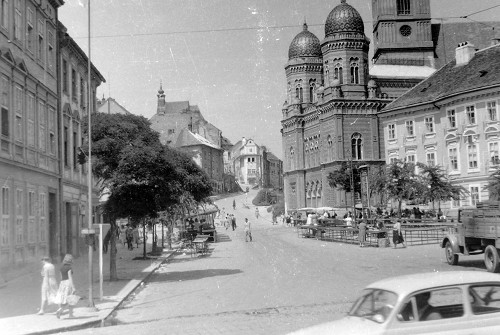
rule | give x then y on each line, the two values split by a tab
100	228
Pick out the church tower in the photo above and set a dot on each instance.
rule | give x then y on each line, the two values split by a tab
402	32
345	53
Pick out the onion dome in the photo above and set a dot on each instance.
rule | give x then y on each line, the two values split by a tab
344	18
305	44
372	84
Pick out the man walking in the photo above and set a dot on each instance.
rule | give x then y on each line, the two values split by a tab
248	231
233	222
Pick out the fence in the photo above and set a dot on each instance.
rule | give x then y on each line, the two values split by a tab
414	233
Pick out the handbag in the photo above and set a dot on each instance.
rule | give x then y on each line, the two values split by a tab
72	299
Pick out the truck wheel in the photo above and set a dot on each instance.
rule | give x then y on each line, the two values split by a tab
491	259
451	257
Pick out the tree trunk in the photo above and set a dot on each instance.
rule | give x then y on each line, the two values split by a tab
144	238
400	202
113	275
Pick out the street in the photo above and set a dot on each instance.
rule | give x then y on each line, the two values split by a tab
273	285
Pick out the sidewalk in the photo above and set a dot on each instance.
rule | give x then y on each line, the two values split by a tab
20	298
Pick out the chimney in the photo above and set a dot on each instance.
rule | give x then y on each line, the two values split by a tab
464	53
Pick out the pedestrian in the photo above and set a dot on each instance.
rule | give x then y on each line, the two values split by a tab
397	234
362	233
135	236
67	289
256	212
123	235
129	234
233	222
234	204
227	221
248	231
49	284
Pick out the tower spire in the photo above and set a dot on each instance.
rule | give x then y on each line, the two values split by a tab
161	100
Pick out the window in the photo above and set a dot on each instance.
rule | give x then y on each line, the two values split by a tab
65	75
471	114
403	7
41	34
453	158
338	73
430	158
43	213
474	195
392	131
429	124
493	149
5	14
410	158
75	146
472	156
30	111
426	306
18	19
452	121
19	217
31	216
492	110
311	93
485	299
82	92
73	84
42	126
30	28
50	51
357	146
393	159
409	128
4	228
52	130
327	74
4	90
19	113
354	73
298	92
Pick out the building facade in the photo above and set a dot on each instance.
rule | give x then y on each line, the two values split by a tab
330	116
452	119
74	107
110	106
182	126
29	152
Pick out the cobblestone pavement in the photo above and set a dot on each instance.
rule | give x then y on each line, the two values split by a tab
276	284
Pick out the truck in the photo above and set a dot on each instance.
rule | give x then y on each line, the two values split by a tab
477	232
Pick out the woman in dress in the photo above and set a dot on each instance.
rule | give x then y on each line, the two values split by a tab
66	287
397	234
49	284
362	233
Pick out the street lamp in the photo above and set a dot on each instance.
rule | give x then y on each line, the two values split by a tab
367	187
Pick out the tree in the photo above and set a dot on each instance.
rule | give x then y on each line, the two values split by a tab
493	186
341	178
437	186
141	176
401	182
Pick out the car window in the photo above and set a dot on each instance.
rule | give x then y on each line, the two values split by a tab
375	305
485	299
432	305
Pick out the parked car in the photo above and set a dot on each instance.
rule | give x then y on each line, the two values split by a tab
451	302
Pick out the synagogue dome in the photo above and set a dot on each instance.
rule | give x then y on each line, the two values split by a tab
305	44
344	18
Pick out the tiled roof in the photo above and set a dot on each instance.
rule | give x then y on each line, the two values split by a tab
483	70
271	156
187	138
176	106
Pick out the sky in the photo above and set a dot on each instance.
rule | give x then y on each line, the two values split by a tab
226	56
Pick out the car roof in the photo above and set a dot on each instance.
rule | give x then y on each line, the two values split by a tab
403	285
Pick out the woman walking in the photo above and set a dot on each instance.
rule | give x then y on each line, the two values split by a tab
397	234
362	233
49	284
66	287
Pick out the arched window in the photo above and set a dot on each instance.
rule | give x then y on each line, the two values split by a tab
327	74
292	158
338	73
357	146
354	73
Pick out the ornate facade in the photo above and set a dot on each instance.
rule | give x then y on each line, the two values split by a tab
330	116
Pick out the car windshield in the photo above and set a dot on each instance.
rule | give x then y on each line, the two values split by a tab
375	305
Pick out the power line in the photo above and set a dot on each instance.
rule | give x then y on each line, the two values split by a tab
200	31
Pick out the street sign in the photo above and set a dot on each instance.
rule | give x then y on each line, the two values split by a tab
87	231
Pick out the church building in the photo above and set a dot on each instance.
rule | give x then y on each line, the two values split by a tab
330	117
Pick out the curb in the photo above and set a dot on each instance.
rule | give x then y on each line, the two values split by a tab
100	322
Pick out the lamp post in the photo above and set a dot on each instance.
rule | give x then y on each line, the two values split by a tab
351	175
367	187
